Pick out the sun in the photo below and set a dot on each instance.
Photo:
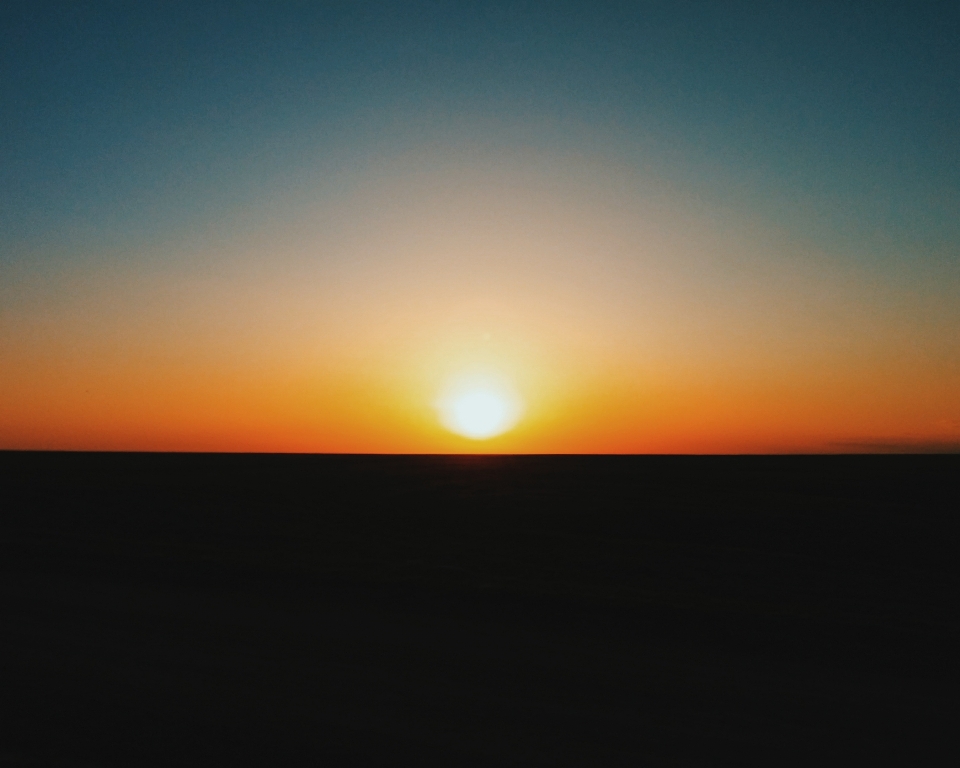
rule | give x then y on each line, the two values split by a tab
479	407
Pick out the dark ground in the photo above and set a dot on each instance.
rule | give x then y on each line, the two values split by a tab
585	611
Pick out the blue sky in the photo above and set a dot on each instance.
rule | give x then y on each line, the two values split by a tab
121	115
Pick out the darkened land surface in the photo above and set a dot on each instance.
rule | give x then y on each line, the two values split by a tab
295	610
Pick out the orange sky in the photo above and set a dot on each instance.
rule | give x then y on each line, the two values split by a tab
630	317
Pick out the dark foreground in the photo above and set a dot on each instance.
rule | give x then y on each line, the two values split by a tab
298	610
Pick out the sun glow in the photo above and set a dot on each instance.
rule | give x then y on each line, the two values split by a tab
479	407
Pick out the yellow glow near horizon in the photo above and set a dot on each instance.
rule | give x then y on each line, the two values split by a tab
505	304
479	407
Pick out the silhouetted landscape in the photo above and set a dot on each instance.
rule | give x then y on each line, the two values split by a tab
192	609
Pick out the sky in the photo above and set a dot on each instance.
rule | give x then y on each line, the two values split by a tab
663	227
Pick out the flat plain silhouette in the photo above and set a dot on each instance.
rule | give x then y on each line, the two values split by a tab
515	610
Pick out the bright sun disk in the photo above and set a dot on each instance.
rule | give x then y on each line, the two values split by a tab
479	409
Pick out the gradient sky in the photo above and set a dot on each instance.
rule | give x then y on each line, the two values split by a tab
671	227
